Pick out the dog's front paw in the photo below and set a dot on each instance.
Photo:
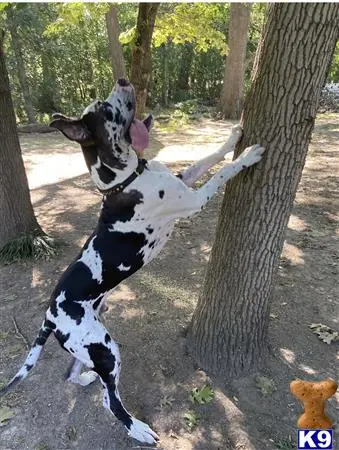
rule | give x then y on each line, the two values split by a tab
251	155
234	138
237	130
142	432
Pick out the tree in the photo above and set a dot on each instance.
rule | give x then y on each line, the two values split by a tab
142	56
20	233
232	95
15	205
118	63
185	69
228	331
16	44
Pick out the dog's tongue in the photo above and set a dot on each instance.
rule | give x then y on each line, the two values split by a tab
139	135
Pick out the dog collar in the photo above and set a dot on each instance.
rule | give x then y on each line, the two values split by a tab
142	163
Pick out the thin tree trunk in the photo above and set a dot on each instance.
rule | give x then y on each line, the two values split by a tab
117	57
165	75
49	97
142	56
16	45
16	212
229	326
232	95
185	70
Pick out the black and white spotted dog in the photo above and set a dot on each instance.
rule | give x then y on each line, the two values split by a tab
141	201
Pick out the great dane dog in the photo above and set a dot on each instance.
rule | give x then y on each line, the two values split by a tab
141	201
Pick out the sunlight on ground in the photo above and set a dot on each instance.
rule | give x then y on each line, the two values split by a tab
288	355
296	224
307	369
293	254
43	169
36	277
121	292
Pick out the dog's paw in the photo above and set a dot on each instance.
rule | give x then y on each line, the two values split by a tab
237	130
85	378
234	138
251	155
142	432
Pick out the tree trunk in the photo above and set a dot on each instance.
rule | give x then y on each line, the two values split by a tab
232	95
142	56
229	326
186	59
16	45
118	63
49	97
165	75
16	212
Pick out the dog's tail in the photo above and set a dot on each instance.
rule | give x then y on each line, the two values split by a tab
33	355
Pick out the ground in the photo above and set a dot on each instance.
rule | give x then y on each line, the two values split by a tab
148	314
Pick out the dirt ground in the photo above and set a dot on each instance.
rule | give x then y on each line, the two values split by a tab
149	312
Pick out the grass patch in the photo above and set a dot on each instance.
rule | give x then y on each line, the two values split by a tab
30	246
286	444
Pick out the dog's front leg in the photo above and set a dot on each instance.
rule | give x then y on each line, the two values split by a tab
194	172
189	202
75	376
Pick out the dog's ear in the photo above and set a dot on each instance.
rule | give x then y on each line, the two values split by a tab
148	122
60	116
73	129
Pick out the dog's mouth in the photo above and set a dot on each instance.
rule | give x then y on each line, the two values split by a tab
136	131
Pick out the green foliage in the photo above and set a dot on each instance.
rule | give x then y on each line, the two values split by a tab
191	419
286	444
202	396
266	385
334	70
199	23
67	59
3	5
29	247
127	37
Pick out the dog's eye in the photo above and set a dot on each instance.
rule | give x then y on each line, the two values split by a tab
109	115
107	111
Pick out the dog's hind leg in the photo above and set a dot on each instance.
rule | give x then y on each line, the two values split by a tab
135	428
194	172
105	360
75	376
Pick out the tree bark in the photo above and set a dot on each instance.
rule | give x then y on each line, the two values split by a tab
142	56
229	326
16	211
232	95
16	45
165	75
186	59
117	57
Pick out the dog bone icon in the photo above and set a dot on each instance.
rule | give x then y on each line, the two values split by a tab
313	395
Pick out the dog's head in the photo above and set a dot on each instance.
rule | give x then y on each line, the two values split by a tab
108	133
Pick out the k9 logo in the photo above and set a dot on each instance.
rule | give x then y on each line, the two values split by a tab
315	439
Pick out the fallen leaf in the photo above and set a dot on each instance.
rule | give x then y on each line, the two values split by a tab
266	385
324	333
202	396
5	414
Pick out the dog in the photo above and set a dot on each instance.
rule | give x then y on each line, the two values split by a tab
141	201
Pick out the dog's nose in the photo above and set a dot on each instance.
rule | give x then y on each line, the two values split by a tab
123	83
